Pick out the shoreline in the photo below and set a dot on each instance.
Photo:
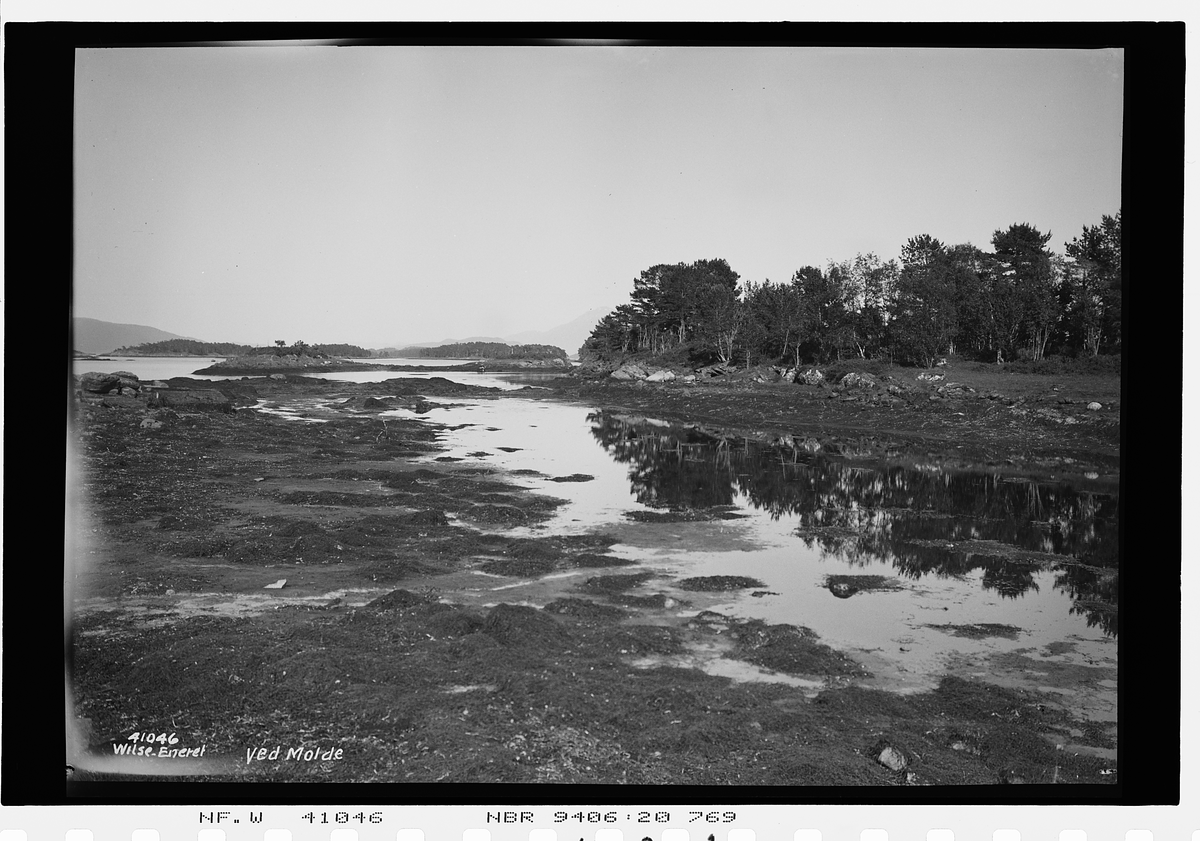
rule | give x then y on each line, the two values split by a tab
380	529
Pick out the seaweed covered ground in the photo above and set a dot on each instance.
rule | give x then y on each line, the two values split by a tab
284	597
966	412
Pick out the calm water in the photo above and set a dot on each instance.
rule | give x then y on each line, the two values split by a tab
163	368
149	367
793	519
797	519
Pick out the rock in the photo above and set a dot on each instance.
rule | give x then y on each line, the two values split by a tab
842	590
661	376
955	390
278	585
856	380
574	477
96	383
1094	406
630	371
376	404
889	757
201	399
151	423
278	376
930	378
810	377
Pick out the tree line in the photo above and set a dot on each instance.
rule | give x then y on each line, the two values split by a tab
1017	301
489	350
184	347
192	347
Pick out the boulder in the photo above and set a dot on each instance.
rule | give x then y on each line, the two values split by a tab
810	377
889	757
856	380
1094	406
661	376
96	383
955	390
930	378
630	371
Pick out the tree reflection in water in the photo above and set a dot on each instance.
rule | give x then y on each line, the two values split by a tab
915	517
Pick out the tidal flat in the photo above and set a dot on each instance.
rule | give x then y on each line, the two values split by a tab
730	583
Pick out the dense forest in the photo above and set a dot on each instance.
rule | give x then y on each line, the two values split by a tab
490	350
184	347
191	347
1018	301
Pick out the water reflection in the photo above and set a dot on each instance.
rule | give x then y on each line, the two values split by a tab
919	519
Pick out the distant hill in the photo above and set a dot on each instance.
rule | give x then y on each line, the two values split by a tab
570	336
95	336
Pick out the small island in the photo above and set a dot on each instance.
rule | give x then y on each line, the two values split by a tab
302	358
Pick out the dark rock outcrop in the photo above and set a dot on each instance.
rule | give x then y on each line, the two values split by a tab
189	399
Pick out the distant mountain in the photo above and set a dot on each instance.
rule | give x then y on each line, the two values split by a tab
95	336
570	336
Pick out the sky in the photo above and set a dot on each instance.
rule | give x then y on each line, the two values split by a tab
382	195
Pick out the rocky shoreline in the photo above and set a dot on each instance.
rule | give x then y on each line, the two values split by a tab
194	497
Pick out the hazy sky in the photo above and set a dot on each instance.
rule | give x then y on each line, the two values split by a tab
377	195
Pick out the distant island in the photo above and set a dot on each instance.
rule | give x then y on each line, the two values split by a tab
480	350
299	358
191	347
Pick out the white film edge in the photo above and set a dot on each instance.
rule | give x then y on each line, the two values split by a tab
849	577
